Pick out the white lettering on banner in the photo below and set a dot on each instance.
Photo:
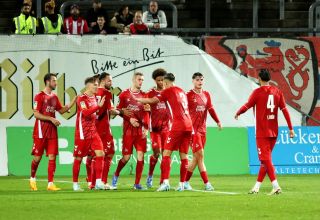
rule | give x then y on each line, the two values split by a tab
314	158
298	170
300	138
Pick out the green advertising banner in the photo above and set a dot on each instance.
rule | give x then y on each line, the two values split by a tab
226	152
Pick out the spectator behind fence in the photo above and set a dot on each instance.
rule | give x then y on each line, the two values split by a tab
122	19
101	27
138	27
25	23
52	22
92	14
154	18
75	24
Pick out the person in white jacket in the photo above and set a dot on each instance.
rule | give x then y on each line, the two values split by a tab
154	18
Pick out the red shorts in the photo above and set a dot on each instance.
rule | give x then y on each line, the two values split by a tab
158	139
48	144
178	140
86	147
198	142
129	141
108	144
265	147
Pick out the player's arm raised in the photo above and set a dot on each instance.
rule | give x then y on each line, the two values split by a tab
66	108
251	102
88	111
153	100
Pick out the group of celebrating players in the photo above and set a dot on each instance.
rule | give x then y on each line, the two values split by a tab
176	120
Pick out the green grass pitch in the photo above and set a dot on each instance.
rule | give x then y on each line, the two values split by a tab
300	200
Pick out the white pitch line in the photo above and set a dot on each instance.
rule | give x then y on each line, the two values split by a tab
218	192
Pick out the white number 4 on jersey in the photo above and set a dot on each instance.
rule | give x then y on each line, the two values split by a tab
270	103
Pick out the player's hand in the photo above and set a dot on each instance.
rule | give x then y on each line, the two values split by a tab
55	122
219	126
101	102
127	112
147	108
134	122
236	117
292	134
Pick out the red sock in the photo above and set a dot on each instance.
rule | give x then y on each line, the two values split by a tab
51	170
139	170
183	170
262	173
34	167
165	168
189	175
93	172
76	170
121	164
204	176
270	170
88	168
106	168
99	167
153	162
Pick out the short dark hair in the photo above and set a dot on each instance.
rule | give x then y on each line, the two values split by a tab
197	74
158	72
170	77
264	75
90	79
48	76
103	75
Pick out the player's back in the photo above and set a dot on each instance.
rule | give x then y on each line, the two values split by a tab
178	105
268	99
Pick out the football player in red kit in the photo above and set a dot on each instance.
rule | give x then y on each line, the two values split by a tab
86	135
135	129
199	102
45	135
104	129
180	132
266	101
160	119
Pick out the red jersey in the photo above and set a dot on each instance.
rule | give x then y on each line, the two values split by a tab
86	117
266	101
103	117
199	106
139	29
78	26
178	106
46	104
127	100
160	115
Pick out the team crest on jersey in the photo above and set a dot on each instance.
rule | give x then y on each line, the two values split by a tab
83	105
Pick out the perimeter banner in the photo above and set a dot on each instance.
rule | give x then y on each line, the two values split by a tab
299	155
226	152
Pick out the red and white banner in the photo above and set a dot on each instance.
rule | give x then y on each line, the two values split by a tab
293	64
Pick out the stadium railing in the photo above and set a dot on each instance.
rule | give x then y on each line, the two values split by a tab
144	4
